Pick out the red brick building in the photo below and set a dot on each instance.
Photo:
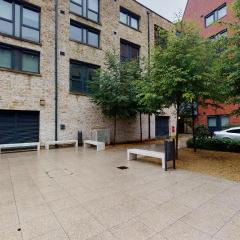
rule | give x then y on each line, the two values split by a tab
209	15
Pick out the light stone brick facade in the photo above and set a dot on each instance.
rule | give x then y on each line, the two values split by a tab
19	91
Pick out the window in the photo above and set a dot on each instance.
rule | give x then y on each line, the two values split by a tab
86	8
129	18
80	75
219	35
216	15
84	34
160	36
234	131
218	122
19	59
20	20
128	51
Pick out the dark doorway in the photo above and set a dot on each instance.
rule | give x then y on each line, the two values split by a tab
19	126
162	126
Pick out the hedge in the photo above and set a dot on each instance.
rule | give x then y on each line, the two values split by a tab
215	144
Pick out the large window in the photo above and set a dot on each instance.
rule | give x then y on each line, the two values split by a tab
19	59
84	34
20	20
216	15
217	122
86	8
80	76
128	18
128	51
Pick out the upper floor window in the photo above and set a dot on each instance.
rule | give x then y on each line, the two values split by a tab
160	36
80	76
19	59
84	34
129	51
219	35
20	20
86	8
216	15
129	18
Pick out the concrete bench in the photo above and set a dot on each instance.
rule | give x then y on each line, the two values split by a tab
132	154
47	144
20	145
100	145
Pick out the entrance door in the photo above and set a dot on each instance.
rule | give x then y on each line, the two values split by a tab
19	126
162	126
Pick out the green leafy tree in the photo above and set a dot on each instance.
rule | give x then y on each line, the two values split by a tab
113	90
182	71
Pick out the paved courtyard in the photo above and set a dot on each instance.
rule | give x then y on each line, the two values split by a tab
80	194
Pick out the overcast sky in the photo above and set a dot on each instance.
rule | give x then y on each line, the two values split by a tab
166	8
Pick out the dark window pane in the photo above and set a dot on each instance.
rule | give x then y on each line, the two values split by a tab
76	9
124	51
84	36
79	2
5	58
30	18
6	10
30	63
93	39
17	20
6	27
135	53
93	5
30	34
75	33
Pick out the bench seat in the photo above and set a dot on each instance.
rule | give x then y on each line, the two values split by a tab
133	153
100	145
20	145
47	144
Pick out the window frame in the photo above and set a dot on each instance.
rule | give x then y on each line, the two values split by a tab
87	29
214	13
86	9
82	64
27	6
219	34
130	46
17	53
129	15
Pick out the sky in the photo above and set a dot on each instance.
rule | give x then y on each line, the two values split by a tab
166	8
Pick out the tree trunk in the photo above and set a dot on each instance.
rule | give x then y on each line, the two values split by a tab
141	133
149	126
193	128
177	130
115	129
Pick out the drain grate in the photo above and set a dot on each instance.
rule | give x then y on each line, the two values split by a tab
122	167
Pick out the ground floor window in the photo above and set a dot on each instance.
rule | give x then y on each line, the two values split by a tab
80	76
218	122
19	59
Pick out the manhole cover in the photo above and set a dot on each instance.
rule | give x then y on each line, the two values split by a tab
122	167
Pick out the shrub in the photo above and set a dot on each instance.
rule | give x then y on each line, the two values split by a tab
215	144
201	132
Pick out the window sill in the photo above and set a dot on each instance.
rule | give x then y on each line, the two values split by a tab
20	39
130	27
79	94
85	44
85	18
20	72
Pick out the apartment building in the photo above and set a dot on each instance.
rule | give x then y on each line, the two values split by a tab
212	18
49	50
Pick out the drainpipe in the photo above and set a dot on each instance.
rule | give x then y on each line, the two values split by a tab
56	70
149	115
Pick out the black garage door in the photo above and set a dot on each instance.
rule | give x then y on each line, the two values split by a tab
162	126
19	126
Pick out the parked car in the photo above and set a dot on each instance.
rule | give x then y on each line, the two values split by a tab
228	134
